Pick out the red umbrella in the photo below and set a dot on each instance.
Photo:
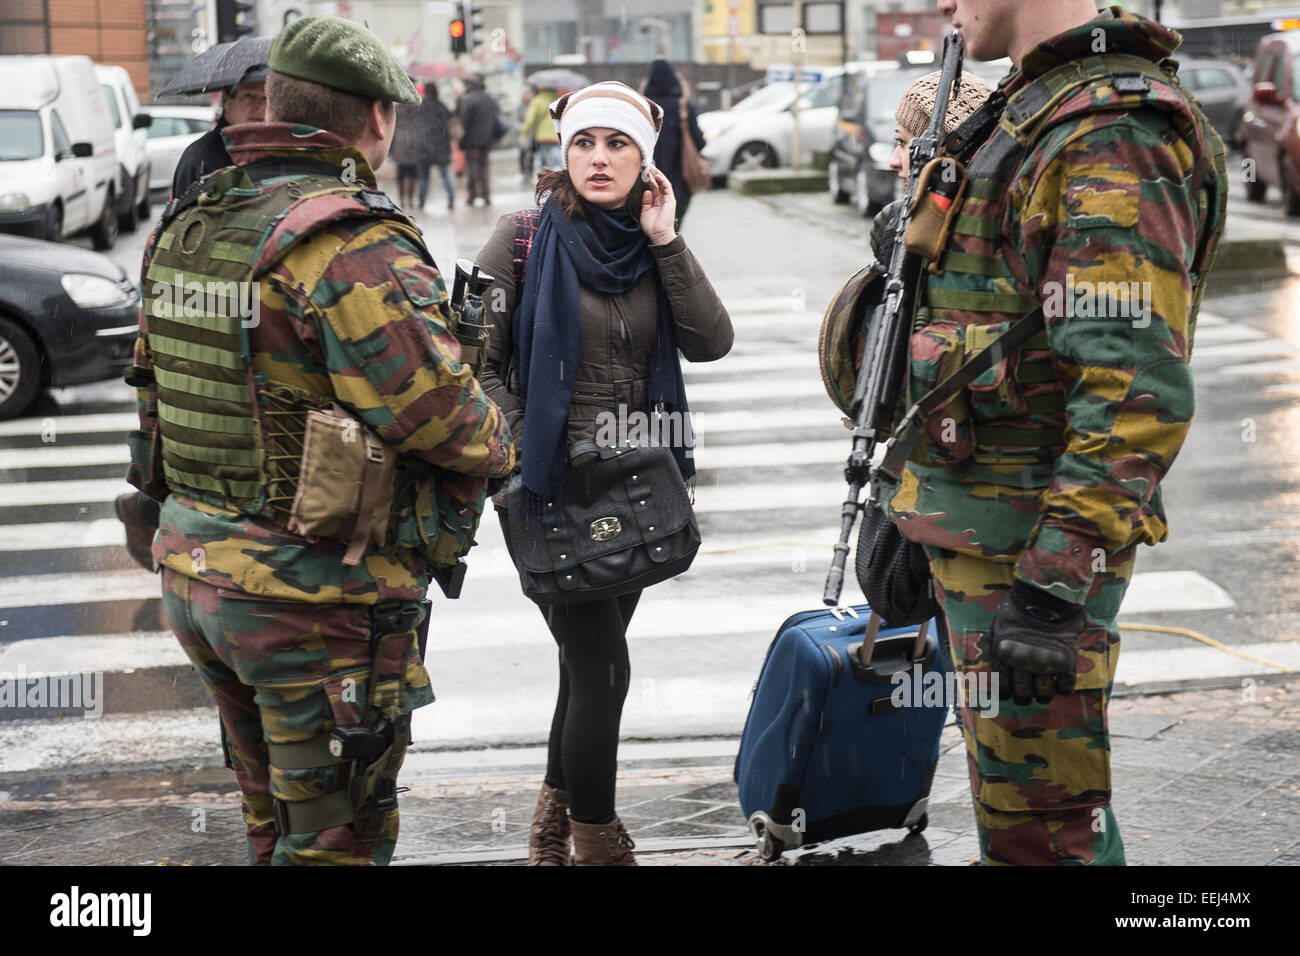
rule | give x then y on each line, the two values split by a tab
439	71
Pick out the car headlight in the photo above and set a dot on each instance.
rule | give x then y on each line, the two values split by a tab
15	202
880	153
93	292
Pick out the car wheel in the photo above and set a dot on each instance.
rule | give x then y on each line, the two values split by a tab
104	234
1256	188
144	211
1290	194
20	369
836	188
754	156
1237	131
52	228
862	192
127	219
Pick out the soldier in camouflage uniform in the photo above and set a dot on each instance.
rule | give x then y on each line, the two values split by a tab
1033	486
294	633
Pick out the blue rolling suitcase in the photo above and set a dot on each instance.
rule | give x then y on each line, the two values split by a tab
827	751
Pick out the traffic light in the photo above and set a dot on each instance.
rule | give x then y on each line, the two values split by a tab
235	19
474	28
456	29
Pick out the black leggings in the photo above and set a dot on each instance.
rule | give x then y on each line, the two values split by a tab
582	751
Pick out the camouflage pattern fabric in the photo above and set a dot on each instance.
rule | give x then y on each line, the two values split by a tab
1040	773
283	672
1102	199
1046	468
355	315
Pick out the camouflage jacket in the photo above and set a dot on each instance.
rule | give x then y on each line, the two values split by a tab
1089	417
369	334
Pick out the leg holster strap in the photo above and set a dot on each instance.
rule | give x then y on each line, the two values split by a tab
319	813
303	755
374	787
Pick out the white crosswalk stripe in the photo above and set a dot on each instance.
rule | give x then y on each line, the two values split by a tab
770	446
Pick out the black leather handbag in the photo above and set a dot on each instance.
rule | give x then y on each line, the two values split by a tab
625	523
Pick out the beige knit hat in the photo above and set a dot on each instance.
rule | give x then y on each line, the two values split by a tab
917	103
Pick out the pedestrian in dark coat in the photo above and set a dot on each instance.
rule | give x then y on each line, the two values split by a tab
664	87
478	114
435	118
405	152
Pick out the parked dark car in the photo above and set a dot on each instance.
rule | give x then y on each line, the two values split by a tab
1272	121
863	138
1223	92
67	316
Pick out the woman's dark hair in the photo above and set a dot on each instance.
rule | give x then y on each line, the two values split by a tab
557	183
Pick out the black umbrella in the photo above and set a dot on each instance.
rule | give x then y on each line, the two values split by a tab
219	67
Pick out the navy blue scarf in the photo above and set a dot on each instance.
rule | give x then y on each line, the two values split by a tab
607	252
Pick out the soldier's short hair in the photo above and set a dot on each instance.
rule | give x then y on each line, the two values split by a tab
291	100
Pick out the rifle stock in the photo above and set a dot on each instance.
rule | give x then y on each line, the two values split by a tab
885	357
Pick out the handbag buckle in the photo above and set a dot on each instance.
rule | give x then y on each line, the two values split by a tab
602	529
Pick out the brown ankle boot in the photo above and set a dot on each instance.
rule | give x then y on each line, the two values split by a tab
606	844
548	837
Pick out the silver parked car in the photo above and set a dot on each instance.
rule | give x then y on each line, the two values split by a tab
1223	92
173	129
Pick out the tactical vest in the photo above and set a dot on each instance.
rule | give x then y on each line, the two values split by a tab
229	435
1015	412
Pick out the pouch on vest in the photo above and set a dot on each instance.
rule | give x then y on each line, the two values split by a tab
994	394
345	482
937	351
939	194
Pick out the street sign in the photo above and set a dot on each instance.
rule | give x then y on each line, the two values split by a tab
785	74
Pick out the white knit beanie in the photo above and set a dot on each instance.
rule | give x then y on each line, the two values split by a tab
611	105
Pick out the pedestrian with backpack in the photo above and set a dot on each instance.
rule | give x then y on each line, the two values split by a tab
594	295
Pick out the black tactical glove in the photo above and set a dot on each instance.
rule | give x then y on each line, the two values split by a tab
884	231
1035	644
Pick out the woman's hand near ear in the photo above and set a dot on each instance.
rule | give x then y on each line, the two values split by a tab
658	209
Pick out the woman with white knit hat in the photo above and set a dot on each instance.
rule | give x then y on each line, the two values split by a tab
594	297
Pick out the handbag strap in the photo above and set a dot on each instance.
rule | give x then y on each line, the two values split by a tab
899	447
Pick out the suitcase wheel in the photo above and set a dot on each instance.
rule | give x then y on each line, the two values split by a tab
770	846
920	824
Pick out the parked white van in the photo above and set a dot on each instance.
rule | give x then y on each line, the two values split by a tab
58	161
131	140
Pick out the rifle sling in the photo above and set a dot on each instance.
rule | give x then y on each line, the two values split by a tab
899	447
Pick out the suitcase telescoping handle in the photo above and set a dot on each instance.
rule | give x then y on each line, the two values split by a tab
873	629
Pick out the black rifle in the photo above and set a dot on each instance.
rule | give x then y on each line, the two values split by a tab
469	325
877	391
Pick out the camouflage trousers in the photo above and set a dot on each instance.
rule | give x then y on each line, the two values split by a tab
1039	773
283	672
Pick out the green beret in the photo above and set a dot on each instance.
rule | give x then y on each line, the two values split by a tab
341	54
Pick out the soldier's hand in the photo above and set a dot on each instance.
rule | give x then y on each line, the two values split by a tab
1035	644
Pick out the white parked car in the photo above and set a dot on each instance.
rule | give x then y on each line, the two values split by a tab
173	129
129	125
58	160
759	130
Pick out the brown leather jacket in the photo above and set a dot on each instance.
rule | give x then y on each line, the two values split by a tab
617	333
